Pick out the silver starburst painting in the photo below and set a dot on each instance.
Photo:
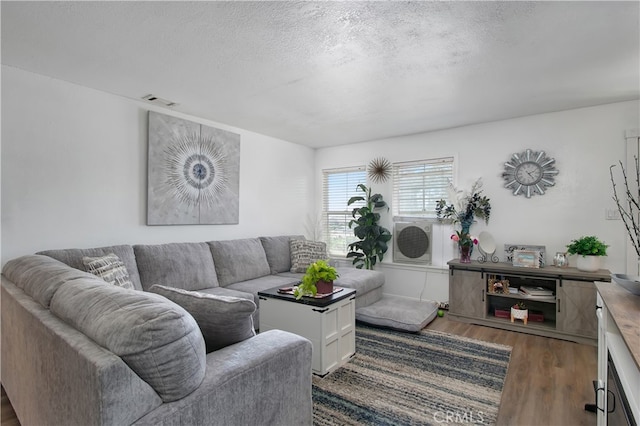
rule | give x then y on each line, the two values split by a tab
194	173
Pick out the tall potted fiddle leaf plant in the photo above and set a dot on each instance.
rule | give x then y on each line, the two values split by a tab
372	238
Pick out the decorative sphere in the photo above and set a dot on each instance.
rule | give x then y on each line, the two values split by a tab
440	313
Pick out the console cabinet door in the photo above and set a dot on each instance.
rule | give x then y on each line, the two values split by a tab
466	293
576	308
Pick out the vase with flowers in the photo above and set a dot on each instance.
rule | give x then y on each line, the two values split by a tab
465	245
463	208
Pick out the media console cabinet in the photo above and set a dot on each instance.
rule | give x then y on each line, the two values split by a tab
568	314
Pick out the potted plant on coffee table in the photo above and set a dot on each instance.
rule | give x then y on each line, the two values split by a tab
589	250
318	279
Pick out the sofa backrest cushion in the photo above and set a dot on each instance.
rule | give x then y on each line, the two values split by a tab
73	258
278	252
40	276
304	253
181	265
239	260
223	320
157	339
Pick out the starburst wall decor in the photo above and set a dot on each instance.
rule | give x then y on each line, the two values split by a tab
379	170
193	173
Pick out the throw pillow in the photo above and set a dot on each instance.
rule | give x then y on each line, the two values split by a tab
304	253
110	268
223	320
73	257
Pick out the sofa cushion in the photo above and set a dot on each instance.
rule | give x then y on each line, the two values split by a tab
157	339
278	252
304	253
399	313
239	260
73	258
363	280
181	265
110	268
223	320
40	276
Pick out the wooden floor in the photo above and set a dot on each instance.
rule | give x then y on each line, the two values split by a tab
547	384
548	381
7	415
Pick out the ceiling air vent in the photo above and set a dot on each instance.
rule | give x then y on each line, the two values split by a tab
159	101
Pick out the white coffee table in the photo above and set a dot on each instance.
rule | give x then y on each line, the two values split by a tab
329	323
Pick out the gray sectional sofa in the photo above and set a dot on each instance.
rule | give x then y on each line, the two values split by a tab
176	343
78	350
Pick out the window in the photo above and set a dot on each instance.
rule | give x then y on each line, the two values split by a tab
418	185
338	186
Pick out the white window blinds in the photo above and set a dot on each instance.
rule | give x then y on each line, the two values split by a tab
418	185
338	186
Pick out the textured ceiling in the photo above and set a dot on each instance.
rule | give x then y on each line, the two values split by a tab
330	73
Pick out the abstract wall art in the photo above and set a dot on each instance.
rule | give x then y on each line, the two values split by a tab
194	173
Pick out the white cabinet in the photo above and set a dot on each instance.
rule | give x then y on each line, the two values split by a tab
330	324
618	350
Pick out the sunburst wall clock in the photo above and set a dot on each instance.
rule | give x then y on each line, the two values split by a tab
193	173
529	173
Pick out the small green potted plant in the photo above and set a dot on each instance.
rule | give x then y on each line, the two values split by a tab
318	279
520	311
589	250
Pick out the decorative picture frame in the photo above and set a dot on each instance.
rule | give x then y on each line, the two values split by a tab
526	258
193	173
497	286
509	248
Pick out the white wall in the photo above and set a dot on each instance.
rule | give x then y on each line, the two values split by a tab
584	142
74	175
74	172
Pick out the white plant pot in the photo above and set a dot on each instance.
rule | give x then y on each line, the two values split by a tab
588	263
521	314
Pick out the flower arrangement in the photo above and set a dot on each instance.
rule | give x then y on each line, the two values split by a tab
464	239
466	207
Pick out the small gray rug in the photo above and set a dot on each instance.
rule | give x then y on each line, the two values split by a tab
430	378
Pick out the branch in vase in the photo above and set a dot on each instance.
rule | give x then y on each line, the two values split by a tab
629	216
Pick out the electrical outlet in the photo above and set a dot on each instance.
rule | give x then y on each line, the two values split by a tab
612	214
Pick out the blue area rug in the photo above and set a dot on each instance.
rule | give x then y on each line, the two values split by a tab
396	378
